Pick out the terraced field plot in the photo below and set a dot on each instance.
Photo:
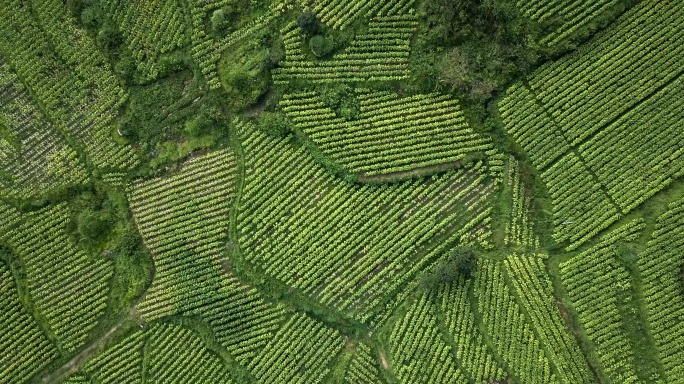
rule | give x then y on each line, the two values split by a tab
345	192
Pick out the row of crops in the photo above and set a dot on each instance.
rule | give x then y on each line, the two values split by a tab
300	353
602	122
501	324
25	348
379	54
163	353
392	134
33	155
420	354
346	245
460	325
636	56
566	17
535	291
363	367
519	231
119	363
581	209
660	268
339	14
512	336
206	48
598	286
68	288
614	297
54	58
531	127
150	29
195	364
642	152
183	219
504	323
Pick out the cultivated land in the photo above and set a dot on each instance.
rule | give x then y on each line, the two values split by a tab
341	191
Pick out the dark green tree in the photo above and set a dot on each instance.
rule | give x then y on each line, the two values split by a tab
93	226
275	124
308	23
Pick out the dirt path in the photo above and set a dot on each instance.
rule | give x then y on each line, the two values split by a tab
383	360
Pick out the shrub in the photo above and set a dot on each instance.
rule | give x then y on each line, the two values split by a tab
93	226
274	124
308	23
320	46
218	20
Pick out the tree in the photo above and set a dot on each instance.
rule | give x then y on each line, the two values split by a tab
244	75
481	46
461	263
90	16
126	129
308	23
125	68
320	46
274	124
93	226
218	20
109	37
341	99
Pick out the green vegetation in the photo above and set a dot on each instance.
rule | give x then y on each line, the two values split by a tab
599	307
33	350
275	231
389	135
341	191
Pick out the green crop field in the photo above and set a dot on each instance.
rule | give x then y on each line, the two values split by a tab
343	192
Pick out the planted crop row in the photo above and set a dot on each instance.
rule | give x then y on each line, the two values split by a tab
597	283
580	208
565	16
67	287
636	56
534	289
25	350
67	74
242	320
380	54
340	13
300	353
120	363
391	134
183	220
618	101
178	355
642	152
150	29
519	229
477	360
347	245
34	156
419	352
513	338
531	127
363	368
660	267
